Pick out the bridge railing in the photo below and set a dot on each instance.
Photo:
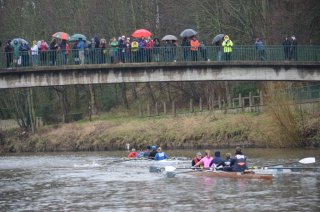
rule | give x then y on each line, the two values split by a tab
161	54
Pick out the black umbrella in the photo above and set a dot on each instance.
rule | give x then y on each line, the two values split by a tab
188	33
217	38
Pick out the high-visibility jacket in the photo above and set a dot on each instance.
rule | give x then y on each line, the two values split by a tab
194	45
227	46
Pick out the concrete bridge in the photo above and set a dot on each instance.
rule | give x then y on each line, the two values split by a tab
156	72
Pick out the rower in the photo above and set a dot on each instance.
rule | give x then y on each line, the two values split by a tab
239	162
225	164
205	160
196	159
160	154
216	160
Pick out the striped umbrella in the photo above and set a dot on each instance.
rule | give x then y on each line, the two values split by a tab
61	35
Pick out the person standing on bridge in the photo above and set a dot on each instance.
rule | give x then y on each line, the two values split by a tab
9	53
294	48
81	47
227	47
194	47
261	49
286	48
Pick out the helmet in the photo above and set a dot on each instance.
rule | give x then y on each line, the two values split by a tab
226	37
154	147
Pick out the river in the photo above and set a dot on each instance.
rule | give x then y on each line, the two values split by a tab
90	181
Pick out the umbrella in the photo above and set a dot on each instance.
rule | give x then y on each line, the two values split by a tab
75	37
188	33
169	37
217	38
20	40
141	33
61	35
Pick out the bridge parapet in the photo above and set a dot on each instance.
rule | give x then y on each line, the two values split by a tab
155	72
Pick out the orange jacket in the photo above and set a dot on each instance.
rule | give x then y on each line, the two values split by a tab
194	45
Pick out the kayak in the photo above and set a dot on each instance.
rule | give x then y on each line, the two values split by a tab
241	175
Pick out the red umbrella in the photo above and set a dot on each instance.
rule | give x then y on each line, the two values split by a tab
141	33
61	35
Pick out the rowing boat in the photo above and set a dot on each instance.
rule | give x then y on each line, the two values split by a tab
241	175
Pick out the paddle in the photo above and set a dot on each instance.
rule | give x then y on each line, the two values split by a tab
308	160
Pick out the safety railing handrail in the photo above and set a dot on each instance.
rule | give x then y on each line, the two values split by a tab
158	54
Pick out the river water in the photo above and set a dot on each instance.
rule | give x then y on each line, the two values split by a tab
92	182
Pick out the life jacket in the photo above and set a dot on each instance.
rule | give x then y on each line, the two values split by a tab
194	45
160	156
240	163
133	155
134	46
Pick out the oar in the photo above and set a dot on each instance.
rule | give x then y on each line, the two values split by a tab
169	171
308	160
296	168
172	168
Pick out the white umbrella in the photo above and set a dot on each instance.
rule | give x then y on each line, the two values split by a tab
169	37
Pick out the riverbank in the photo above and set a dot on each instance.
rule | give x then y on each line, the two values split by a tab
185	132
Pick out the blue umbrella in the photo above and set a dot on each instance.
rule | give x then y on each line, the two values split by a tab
76	37
20	41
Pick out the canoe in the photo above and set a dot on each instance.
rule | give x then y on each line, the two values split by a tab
240	175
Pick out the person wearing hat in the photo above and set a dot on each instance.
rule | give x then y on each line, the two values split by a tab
239	162
160	154
196	159
133	153
153	153
227	47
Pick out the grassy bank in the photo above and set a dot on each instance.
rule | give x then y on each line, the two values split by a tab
200	131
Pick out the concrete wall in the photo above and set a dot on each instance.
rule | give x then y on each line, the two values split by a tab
154	72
